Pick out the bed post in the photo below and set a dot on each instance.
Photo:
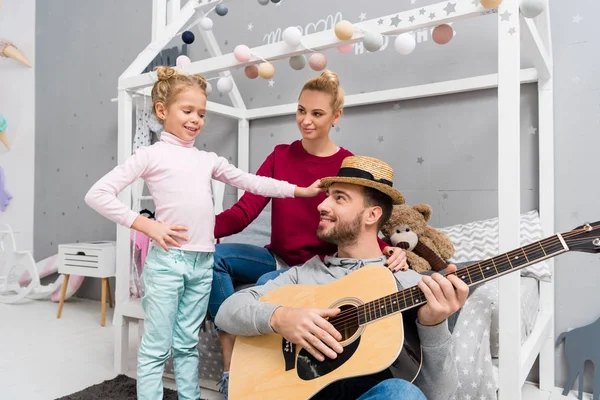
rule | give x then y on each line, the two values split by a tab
121	323
546	196
509	194
243	148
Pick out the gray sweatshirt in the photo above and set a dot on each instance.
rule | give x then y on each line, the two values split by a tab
243	315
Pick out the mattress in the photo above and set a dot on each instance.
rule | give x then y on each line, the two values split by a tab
530	301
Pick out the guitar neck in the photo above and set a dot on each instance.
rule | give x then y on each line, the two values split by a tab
472	275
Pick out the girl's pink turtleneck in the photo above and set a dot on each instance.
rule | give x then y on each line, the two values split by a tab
178	176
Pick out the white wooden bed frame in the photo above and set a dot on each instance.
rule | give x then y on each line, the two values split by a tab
515	360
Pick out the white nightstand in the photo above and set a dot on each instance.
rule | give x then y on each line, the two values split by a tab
91	259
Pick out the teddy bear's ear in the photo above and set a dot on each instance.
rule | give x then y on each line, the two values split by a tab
423	209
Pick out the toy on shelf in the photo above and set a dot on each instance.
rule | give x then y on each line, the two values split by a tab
581	344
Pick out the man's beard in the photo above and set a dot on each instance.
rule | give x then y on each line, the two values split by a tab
343	233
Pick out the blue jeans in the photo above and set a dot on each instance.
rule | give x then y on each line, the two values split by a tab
393	389
379	386
177	284
239	263
270	275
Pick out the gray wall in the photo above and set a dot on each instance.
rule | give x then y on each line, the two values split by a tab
455	135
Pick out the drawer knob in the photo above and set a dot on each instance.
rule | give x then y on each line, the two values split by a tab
80	253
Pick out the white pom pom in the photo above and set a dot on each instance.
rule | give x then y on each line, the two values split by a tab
206	23
292	36
405	43
531	8
224	84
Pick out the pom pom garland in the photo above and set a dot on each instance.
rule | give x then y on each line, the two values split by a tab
188	37
221	10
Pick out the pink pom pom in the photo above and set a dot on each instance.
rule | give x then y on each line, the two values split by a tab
182	60
317	61
251	71
242	53
345	49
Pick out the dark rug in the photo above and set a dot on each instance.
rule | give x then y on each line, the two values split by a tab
120	388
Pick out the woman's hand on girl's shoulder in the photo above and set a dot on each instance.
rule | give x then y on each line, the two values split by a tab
310	191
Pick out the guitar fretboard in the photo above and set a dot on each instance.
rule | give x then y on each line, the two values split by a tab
471	275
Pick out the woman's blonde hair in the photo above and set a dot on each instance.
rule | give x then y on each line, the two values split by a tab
170	83
328	82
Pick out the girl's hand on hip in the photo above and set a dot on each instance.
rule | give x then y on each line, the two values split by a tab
162	234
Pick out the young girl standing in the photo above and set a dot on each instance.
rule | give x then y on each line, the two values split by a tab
178	269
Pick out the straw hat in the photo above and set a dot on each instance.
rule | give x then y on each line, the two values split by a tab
367	171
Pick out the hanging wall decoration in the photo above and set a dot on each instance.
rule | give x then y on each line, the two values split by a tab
9	50
5	197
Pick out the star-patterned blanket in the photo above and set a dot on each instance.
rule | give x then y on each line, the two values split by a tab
475	338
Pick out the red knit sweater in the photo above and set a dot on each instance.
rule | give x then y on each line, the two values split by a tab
294	221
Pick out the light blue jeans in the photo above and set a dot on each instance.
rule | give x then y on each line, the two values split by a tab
177	285
392	389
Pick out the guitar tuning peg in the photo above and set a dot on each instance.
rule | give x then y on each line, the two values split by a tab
596	242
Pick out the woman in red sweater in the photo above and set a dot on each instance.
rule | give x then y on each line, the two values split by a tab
294	221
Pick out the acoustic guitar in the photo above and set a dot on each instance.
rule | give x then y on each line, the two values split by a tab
374	334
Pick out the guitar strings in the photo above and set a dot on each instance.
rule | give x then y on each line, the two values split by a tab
351	316
348	318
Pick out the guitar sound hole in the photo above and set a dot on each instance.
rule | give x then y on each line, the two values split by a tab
346	322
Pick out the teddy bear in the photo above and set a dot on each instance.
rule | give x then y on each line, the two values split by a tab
426	248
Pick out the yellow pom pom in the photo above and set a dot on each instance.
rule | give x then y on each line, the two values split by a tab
266	70
490	3
344	30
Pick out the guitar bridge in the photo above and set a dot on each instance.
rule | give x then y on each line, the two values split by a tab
289	354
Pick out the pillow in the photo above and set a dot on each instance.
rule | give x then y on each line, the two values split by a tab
257	233
479	241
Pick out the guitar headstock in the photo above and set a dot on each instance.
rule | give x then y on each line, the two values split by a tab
584	238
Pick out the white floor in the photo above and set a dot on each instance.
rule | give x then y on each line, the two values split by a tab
43	358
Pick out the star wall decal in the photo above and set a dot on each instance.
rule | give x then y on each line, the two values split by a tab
431	15
380	139
512	30
532	130
250	26
413	1
362	16
577	18
420	160
411	18
271	82
380	21
445	196
450	8
338	129
575	79
272	134
469	158
475	2
505	16
396	106
395	21
422	11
